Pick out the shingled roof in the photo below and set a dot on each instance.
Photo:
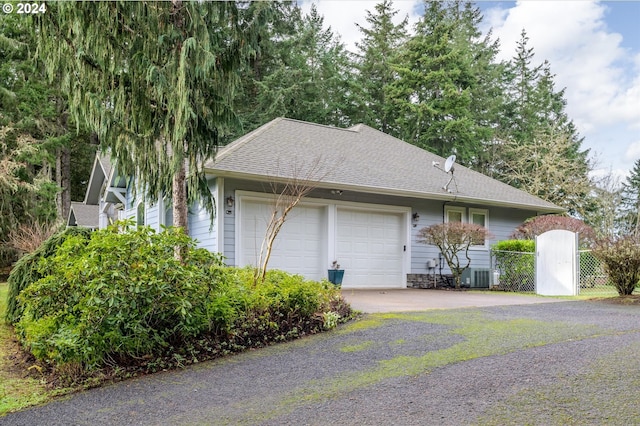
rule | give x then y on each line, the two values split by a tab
359	158
83	215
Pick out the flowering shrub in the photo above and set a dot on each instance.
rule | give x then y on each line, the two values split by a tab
453	238
540	224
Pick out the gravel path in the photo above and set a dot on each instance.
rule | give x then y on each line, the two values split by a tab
543	364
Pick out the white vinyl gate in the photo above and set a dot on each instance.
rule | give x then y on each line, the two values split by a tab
557	263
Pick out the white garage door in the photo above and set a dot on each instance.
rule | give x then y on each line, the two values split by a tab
370	247
300	246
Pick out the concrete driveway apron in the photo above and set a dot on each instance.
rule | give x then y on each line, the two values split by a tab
409	299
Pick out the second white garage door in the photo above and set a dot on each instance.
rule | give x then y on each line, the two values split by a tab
370	247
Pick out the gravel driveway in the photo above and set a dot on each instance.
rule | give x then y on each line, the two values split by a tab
544	364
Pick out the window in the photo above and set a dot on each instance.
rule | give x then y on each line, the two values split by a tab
480	217
454	214
168	216
140	214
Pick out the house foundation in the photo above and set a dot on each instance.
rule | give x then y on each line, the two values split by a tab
430	281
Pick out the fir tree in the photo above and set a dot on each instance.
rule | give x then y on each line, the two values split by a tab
442	91
155	81
630	206
534	120
37	142
377	52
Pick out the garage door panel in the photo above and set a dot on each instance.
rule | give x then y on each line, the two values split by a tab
299	246
369	245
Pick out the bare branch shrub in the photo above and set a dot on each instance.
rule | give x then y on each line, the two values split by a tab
621	258
27	237
452	238
305	177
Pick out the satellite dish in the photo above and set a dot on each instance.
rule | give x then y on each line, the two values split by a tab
448	165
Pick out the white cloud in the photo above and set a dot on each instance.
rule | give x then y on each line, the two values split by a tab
633	152
587	59
602	78
342	16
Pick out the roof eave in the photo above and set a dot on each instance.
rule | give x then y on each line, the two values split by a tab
392	192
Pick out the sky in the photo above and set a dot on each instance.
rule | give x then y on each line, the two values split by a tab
593	48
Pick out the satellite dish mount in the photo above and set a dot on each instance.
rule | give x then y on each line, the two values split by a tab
449	167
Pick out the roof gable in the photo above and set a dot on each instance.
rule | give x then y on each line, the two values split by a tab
104	176
359	158
83	215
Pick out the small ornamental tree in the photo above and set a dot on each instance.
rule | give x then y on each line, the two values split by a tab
453	238
540	224
621	259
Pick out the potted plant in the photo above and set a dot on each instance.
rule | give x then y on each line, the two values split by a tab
336	274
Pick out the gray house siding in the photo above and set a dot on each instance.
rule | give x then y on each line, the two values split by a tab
502	221
200	227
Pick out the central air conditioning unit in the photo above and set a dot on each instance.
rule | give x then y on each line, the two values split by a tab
476	277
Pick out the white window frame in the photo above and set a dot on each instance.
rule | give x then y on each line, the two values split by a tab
144	213
461	210
485	213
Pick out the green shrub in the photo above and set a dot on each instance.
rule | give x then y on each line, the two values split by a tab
284	306
26	271
122	295
621	259
121	298
516	266
515	245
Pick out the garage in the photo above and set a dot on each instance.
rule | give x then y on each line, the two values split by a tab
300	246
370	246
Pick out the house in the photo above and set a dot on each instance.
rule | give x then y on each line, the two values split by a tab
105	198
372	193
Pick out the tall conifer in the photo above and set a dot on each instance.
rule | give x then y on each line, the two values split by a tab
155	81
377	52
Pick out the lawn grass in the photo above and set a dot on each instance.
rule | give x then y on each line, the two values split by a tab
19	388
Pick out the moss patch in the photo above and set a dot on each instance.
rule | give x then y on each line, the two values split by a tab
20	386
482	335
358	347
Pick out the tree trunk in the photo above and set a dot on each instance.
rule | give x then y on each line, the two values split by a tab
179	195
63	180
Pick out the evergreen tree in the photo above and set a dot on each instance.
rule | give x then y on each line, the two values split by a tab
544	169
630	205
443	85
155	81
486	92
37	144
377	53
533	117
301	71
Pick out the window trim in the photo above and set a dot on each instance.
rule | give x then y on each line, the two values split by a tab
484	212
461	210
144	213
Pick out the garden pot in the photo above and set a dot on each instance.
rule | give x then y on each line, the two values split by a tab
335	276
